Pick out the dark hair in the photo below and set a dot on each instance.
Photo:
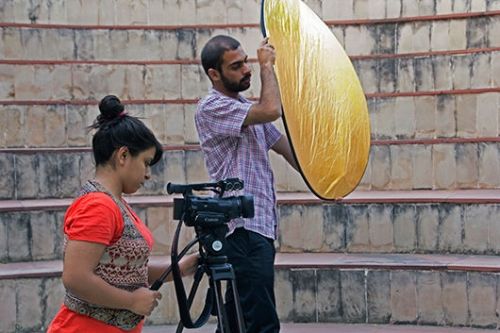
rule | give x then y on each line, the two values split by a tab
115	129
213	51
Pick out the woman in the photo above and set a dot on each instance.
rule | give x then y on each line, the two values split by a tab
106	272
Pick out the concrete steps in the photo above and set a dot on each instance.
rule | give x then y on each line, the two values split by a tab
42	174
443	290
433	102
404	256
450	32
284	261
153	12
379	76
451	118
439	222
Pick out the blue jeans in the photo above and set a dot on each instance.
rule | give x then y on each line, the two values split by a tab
252	257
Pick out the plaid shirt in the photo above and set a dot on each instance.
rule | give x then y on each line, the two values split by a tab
232	150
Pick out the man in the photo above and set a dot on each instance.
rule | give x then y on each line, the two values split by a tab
235	136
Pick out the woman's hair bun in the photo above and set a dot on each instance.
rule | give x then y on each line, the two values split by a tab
110	107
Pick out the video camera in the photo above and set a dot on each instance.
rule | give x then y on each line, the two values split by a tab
209	217
210	211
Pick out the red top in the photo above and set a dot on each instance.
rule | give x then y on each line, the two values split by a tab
94	218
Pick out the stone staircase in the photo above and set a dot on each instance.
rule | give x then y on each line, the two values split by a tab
416	244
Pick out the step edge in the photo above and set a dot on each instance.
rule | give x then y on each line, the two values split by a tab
466	196
427	262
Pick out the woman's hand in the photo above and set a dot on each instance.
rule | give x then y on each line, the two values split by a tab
189	263
143	301
187	266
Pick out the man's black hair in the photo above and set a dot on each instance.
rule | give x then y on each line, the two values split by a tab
213	51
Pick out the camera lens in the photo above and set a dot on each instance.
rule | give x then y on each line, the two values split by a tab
247	206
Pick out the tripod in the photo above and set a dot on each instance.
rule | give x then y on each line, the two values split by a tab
218	269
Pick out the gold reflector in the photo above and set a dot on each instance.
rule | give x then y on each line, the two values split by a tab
324	107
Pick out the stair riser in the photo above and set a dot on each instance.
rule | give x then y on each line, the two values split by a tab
375	228
402	118
92	44
214	12
398	167
142	82
60	175
380	296
307	295
386	228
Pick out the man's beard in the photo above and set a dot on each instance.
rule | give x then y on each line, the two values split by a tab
233	86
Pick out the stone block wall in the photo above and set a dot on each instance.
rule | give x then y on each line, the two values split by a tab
431	84
420	297
380	296
317	228
158	12
430	70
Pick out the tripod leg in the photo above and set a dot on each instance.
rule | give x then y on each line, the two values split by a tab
237	305
222	320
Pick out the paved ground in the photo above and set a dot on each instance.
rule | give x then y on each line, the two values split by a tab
334	328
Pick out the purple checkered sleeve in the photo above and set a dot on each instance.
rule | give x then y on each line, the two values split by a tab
233	150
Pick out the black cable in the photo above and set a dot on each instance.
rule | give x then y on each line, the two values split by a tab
182	300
